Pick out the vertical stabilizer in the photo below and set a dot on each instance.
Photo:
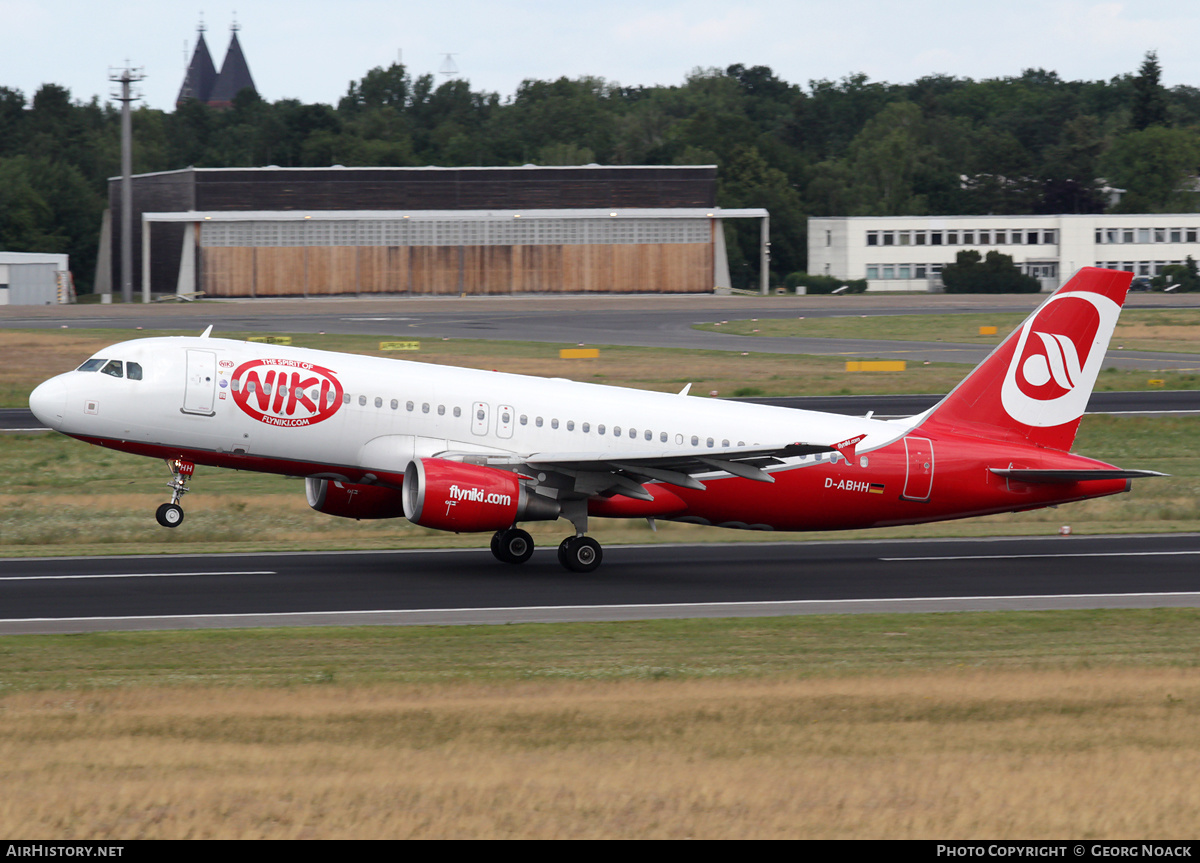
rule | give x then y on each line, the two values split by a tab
1036	385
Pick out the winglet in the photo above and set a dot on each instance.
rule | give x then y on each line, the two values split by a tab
846	447
207	330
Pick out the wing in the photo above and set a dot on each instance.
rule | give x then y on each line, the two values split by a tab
625	473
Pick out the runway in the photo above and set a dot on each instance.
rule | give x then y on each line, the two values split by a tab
452	587
644	321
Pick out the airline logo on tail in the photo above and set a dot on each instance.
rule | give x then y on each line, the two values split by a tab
1057	358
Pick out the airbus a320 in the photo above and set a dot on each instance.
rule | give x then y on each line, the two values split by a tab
465	450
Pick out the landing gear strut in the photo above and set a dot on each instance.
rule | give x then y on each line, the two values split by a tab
171	514
512	545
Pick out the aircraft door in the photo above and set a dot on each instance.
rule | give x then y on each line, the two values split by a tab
504	421
918	481
479	418
201	383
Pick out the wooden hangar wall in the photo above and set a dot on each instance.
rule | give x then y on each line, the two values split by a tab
569	252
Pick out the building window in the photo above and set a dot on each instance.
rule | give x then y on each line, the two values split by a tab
904	238
889	271
1001	238
968	238
1191	235
889	238
1014	237
904	271
1143	235
872	238
1160	235
1049	238
1031	239
918	238
985	238
1127	235
872	272
1099	236
919	271
935	238
952	238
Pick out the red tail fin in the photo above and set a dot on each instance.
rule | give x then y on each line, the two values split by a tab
1036	385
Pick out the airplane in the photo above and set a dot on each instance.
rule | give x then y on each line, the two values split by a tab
468	450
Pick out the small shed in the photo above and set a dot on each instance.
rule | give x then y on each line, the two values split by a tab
34	279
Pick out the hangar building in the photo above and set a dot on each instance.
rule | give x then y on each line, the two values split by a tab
265	232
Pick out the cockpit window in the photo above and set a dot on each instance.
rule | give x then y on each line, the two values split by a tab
133	371
91	365
114	368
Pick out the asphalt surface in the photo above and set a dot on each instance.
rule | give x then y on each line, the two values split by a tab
657	321
635	582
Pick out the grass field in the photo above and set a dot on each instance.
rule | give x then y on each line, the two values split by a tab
1016	725
1007	725
1176	330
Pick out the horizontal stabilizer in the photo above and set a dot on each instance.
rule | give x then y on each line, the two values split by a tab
1065	476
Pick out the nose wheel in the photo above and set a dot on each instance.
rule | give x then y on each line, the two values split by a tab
171	514
580	553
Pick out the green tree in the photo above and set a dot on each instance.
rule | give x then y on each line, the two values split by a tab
1153	166
1149	97
995	274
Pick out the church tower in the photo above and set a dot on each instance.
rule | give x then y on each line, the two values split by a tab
204	84
234	77
201	73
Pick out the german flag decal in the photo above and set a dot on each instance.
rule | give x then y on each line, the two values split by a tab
876	488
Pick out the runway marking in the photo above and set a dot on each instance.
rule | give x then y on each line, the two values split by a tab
1065	554
4	578
584	613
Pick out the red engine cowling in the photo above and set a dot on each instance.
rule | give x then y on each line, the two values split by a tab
353	501
464	498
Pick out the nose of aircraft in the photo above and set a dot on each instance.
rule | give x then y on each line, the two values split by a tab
49	401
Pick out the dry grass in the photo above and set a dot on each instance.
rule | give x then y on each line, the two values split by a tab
1099	753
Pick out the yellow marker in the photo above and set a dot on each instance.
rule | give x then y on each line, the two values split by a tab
987	331
1155	382
399	346
875	365
578	353
272	340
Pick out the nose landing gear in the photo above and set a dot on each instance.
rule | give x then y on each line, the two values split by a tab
171	514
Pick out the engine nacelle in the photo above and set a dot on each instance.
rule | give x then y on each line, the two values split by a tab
465	498
349	500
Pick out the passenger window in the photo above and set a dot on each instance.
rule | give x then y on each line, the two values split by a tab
345	396
425	408
600	429
538	422
458	412
587	428
408	406
570	425
663	437
378	402
133	371
441	410
524	420
362	401
553	424
395	404
695	440
650	435
114	368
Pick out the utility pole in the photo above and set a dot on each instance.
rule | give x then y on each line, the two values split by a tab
125	77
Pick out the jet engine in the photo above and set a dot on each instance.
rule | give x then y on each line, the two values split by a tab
464	498
349	500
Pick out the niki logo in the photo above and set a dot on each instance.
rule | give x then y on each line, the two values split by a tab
286	392
1057	358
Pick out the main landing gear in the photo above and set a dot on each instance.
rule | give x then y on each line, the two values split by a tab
576	553
171	514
